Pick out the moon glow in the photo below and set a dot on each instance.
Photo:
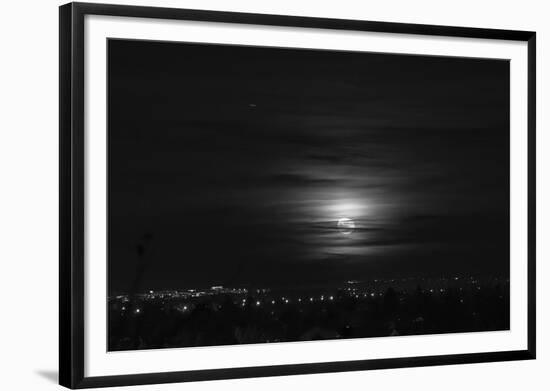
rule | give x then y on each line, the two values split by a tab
345	225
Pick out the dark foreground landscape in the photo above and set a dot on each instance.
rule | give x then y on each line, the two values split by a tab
384	307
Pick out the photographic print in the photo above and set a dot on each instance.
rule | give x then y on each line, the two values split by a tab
265	194
248	195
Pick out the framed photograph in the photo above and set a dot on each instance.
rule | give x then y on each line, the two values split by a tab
257	195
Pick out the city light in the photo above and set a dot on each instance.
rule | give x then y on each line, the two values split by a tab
363	297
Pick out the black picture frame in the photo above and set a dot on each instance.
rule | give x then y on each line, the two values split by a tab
71	190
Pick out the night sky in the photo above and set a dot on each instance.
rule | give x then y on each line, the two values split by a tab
231	165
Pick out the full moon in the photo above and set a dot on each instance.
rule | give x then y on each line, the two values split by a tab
346	225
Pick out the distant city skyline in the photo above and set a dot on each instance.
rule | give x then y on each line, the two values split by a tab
222	316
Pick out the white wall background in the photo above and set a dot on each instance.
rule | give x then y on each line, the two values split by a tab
29	191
